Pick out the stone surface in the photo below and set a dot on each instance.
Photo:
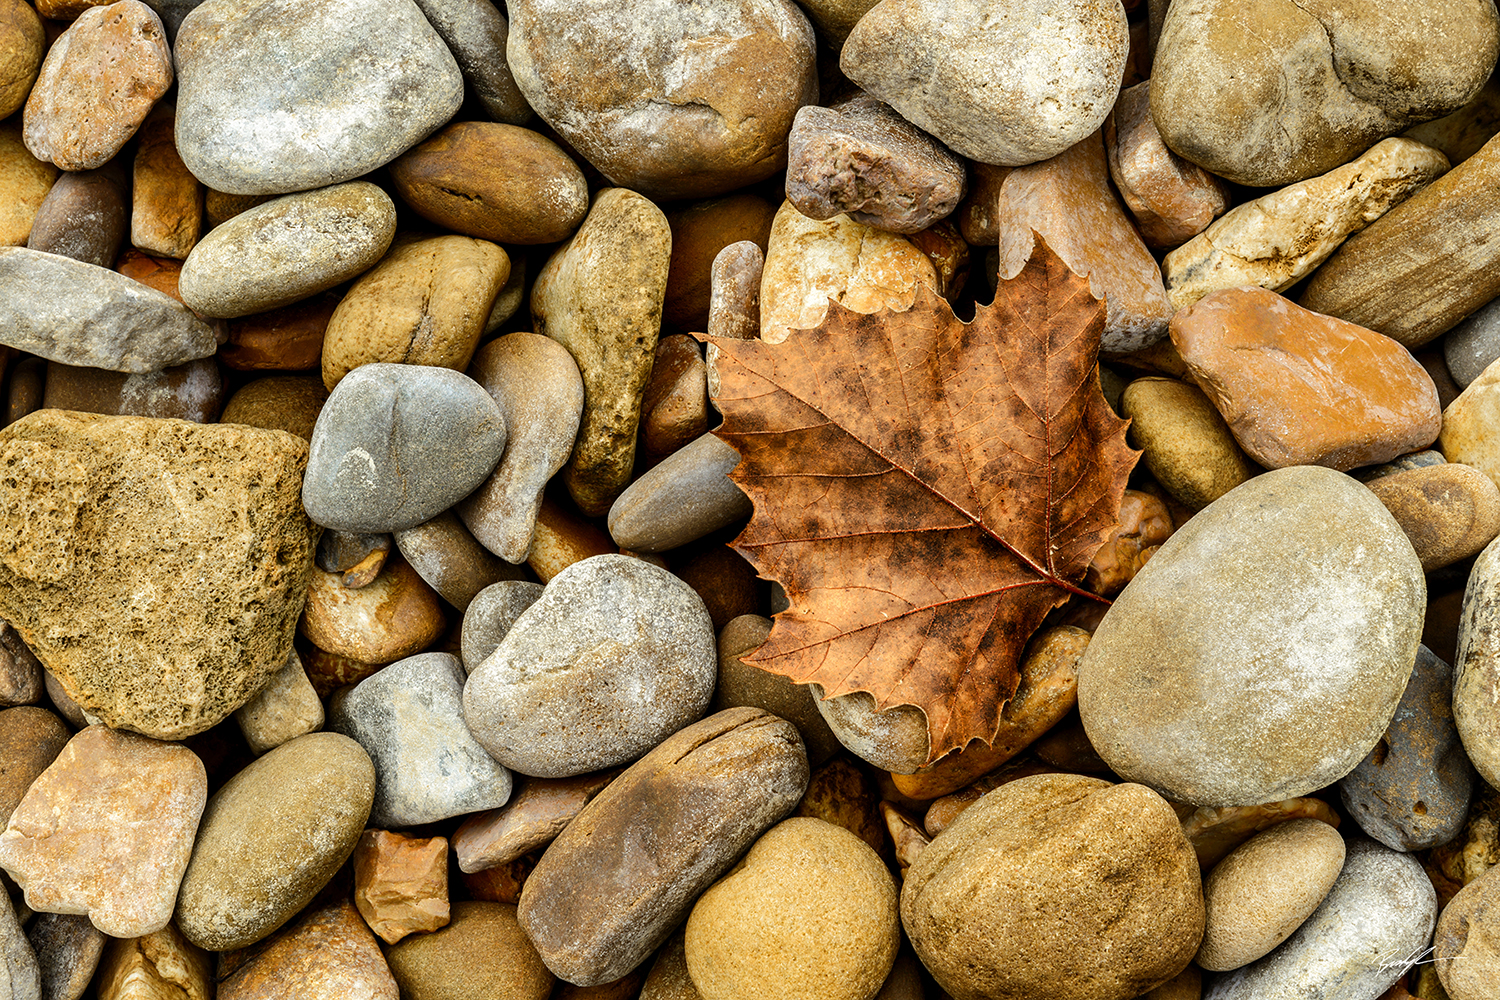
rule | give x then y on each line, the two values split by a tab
329	952
491	614
1467	436
99	80
843	793
30	740
1376	919
1066	886
288	248
20	671
19	973
475	33
284	709
563	538
24	179
131	507
425	303
1277	239
67	950
700	232
401	883
83	217
107	829
155	967
1172	200
861	159
78	314
1272	92
734	301
809	262
23	41
741	685
481	953
532	819
289	339
626	871
1474	344
1448	511
450	560
277	96
1464	949
1186	443
272	837
613	657
1476	666
1297	388
166	214
1007	85
288	403
687	496
1068	202
1215	832
811	900
1144	522
893	739
537	386
673	101
191	391
600	296
396	615
450	180
409	719
1226	674
396	444
668	977
674	405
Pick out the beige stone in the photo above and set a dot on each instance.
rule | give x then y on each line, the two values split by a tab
133	504
743	685
1463	133
1257	896
600	296
327	955
1068	202
283	710
481	953
841	793
396	616
99	80
1214	832
1172	200
1277	239
734	300
425	303
166	201
1297	388
1466	948
810	900
1449	512
809	262
1469	422
24	182
451	561
533	818
107	830
401	883
668	977
159	966
1186	985
288	403
1186	443
563	538
22	45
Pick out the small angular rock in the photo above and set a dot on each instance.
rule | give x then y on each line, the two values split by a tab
401	883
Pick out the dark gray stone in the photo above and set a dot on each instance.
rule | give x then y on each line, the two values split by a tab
172	12
67	950
20	976
491	614
688	495
1474	344
1404	463
1412	791
84	216
476	32
397	444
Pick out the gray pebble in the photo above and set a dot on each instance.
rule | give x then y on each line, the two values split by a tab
451	561
67	951
1476	676
1474	344
476	34
20	975
682	499
491	614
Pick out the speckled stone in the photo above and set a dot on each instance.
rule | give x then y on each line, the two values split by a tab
1186	443
67	948
1464	952
23	41
1449	511
476	32
481	953
613	657
1476	673
288	403
329	954
24	180
491	614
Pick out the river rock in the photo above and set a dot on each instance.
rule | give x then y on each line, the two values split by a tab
1474	344
19	972
1272	92
69	311
20	671
1377	918
1296	666
272	837
284	709
166	200
1185	442
1002	85
475	33
490	616
401	883
394	616
1449	511
450	560
481	953
277	96
1297	388
24	180
804	879
30	740
613	657
23	41
1476	677
1066	886
673	101
540	811
288	403
600	296
192	391
687	496
160	965
133	503
67	953
674	406
328	953
1277	239
1467	422
734	299
289	339
626	871
743	685
288	249
1464	951
83	217
700	232
396	444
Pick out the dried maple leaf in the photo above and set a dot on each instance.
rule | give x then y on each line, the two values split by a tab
926	490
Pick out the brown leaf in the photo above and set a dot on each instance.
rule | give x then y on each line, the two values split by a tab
926	490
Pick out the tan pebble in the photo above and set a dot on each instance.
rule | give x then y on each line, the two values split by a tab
24	180
1465	951
1469	421
1186	985
289	339
841	793
401	883
288	403
449	559
219	206
166	200
942	813
699	233
907	836
283	710
22	45
734	302
481	953
530	820
668	977
328	953
1142	526
394	617
1215	832
1464	132
563	538
1449	512
155	967
1188	447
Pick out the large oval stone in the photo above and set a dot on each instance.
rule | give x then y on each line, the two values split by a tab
1262	651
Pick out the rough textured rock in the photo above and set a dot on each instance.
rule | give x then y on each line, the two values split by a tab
328	953
1297	388
674	101
67	948
1468	425
157	966
475	33
1277	239
105	506
1464	950
625	872
1226	674
272	837
284	709
278	96
1449	511
1272	91
84	216
481	953
1066	887
401	883
687	496
69	311
1004	85
1476	666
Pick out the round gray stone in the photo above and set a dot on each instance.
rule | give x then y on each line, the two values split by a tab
1474	344
491	614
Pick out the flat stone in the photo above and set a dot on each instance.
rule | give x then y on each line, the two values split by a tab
1297	388
133	503
1068	202
107	829
330	954
1236	681
79	314
475	33
615	656
1467	436
288	248
700	232
191	391
734	298
30	740
673	101
401	883
687	496
532	819
1277	239
83	217
272	837
23	40
674	406
1463	950
396	444
1476	665
409	718
160	966
67	948
1448	511
626	871
24	179
741	685
284	709
600	296
861	159
1186	443
1008	86
395	616
99	81
490	616
481	953
450	560
277	96
537	386
166	214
